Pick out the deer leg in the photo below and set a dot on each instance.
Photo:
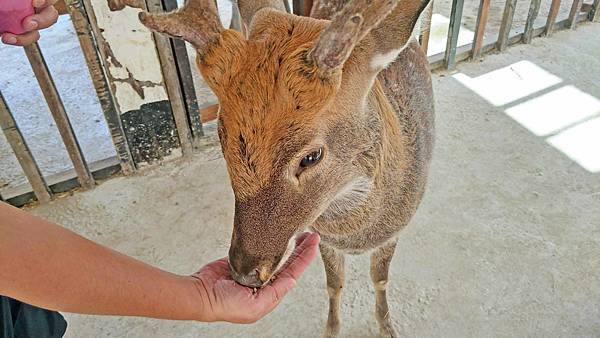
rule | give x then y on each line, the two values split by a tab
334	269
380	265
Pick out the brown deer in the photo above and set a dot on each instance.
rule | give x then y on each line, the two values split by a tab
326	122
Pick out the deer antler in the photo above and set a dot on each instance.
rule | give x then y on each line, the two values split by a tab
348	27
196	22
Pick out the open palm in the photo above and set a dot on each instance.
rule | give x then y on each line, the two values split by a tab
229	301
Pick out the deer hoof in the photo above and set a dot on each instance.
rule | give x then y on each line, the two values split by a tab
387	330
332	331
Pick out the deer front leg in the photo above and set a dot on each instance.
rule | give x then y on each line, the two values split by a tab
380	265
334	269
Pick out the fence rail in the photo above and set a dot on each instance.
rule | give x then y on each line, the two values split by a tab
187	114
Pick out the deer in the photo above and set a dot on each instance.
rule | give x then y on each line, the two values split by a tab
326	123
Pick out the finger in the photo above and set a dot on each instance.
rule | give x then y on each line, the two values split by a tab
300	238
43	3
20	40
44	19
300	258
269	296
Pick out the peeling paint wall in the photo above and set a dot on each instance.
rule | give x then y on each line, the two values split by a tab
136	80
133	63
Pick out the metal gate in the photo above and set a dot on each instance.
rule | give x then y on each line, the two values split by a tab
145	86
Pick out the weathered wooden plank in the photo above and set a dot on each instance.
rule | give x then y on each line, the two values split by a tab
534	10
302	7
186	79
85	32
594	14
62	182
42	74
209	112
464	52
506	24
453	30
574	13
554	7
23	154
482	17
426	28
171	78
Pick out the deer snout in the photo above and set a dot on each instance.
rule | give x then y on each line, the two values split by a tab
248	269
251	279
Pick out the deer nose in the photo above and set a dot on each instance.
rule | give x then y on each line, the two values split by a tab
251	279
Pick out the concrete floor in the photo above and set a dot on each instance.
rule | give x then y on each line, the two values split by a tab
506	242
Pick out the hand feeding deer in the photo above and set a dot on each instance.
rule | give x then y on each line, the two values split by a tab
323	124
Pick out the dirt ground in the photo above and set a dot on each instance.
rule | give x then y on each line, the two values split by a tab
506	242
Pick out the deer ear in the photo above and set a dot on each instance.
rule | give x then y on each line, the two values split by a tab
196	22
347	28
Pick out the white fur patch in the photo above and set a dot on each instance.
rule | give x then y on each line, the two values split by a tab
381	61
350	197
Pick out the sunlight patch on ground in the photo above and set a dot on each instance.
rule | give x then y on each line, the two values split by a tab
505	85
581	143
567	117
553	111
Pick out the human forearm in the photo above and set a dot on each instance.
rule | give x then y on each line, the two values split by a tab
52	267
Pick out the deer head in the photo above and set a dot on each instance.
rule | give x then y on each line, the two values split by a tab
293	128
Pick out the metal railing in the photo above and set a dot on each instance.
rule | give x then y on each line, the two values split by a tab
178	83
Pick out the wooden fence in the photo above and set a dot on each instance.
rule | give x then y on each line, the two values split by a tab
153	115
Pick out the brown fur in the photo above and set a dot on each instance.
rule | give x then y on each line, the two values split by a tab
277	104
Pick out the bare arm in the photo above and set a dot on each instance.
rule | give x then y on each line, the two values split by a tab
48	266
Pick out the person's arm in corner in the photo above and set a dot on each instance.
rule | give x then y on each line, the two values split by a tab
49	266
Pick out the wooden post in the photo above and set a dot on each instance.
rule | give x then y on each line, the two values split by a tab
506	24
89	46
302	7
286	4
171	77
552	17
595	12
482	17
574	14
453	31
426	29
42	74
186	79
534	10
23	154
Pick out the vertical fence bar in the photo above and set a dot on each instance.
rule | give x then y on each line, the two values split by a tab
174	90
286	4
574	13
186	79
302	7
552	17
42	74
506	24
453	30
23	154
85	32
595	12
482	17
426	28
534	10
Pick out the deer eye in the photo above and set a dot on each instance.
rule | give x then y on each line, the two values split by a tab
311	159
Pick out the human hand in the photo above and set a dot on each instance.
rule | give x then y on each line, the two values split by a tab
44	17
226	300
